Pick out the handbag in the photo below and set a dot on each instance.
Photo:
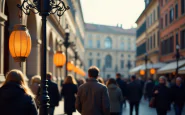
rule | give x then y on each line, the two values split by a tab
152	102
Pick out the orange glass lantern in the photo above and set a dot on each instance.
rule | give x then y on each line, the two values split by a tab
70	66
152	71
59	59
76	68
142	72
20	43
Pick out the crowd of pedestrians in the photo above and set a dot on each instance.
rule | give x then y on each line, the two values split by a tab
94	96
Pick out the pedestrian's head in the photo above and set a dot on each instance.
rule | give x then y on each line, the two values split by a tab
36	79
82	81
178	81
70	80
100	79
118	75
133	77
16	76
111	81
93	72
49	76
162	80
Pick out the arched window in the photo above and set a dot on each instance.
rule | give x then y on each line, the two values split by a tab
108	42
108	61
122	45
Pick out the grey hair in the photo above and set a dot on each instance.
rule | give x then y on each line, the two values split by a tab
179	78
163	77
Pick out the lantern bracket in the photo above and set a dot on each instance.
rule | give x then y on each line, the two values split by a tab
56	6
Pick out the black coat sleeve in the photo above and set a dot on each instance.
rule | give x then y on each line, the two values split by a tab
32	107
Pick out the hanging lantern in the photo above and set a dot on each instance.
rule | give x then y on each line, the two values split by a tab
152	71
76	69
142	72
20	43
70	66
59	59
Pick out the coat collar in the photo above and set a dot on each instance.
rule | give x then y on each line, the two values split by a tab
92	80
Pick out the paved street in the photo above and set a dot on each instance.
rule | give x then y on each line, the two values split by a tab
144	110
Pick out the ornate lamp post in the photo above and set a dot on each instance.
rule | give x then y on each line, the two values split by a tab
44	8
177	58
146	61
76	57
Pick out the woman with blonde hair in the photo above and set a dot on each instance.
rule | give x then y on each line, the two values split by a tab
15	96
35	87
69	90
100	80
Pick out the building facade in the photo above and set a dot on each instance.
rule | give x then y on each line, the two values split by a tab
148	37
112	49
172	30
55	33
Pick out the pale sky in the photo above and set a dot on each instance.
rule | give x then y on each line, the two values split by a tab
112	12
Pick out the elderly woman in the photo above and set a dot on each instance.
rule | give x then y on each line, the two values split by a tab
161	94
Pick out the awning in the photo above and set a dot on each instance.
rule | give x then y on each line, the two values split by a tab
171	67
155	66
136	69
182	70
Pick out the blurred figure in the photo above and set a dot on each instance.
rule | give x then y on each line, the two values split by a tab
178	96
134	94
123	86
53	94
69	90
149	89
116	98
35	87
100	79
81	81
15	96
92	97
162	97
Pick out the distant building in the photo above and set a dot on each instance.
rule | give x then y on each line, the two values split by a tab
110	48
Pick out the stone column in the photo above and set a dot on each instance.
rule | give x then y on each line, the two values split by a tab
32	63
3	18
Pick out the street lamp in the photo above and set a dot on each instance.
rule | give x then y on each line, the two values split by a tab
66	45
44	8
76	58
146	61
177	58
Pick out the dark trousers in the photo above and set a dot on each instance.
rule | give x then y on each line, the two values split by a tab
136	105
161	111
178	109
51	110
114	113
69	113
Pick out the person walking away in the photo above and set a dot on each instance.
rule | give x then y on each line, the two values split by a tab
35	88
53	94
15	96
93	97
116	97
134	94
178	96
162	97
69	90
123	86
149	89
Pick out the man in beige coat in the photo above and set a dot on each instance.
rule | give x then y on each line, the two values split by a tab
92	97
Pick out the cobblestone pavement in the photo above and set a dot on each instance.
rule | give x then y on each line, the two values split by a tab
143	110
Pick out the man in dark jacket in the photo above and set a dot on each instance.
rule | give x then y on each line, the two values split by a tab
178	96
134	94
149	89
122	85
53	94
